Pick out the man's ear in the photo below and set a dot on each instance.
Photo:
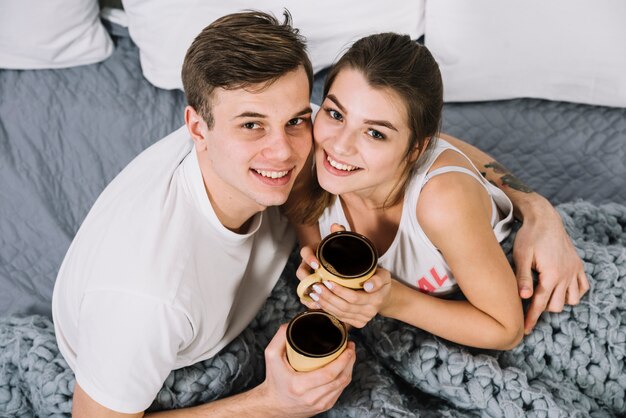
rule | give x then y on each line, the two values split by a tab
197	127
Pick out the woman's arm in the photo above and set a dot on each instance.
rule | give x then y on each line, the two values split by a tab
541	243
454	212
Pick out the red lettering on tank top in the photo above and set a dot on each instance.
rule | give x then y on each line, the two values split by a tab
426	286
439	280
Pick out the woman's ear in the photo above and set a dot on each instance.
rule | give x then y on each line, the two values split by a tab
418	151
197	127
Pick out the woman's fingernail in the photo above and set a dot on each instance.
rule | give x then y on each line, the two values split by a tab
317	288
314	296
368	286
328	284
314	265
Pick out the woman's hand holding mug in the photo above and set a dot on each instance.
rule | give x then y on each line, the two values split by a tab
344	265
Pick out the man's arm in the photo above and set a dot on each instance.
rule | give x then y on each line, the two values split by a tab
85	406
284	393
523	197
541	243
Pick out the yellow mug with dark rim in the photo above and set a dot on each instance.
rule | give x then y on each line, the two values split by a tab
346	258
314	339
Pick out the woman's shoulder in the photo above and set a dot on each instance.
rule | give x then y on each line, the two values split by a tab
451	156
451	196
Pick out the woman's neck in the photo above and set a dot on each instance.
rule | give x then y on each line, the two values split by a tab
369	218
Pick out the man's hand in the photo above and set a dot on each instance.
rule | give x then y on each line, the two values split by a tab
543	244
303	394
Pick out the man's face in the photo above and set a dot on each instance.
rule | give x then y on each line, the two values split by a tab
258	144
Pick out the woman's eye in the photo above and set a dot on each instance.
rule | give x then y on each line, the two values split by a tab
334	114
250	125
375	134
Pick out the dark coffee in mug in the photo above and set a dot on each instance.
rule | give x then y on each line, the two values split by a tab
315	334
346	258
347	255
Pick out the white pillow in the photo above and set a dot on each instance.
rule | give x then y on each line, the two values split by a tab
37	34
164	29
565	50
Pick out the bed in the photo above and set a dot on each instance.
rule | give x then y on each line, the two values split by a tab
65	133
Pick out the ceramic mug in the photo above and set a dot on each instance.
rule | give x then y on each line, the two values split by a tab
314	339
346	258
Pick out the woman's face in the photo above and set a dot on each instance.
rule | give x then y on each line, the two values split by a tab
361	137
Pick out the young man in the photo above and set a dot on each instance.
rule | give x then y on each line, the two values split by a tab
183	247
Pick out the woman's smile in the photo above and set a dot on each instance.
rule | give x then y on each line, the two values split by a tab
338	167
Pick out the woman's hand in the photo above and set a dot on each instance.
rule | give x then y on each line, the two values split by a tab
309	262
354	307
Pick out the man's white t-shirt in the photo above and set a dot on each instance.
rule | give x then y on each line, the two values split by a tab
154	282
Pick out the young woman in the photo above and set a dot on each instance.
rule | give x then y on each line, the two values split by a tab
381	170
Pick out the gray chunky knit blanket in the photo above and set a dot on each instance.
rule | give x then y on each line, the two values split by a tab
572	365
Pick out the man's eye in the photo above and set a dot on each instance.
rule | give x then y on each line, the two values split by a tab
375	134
295	121
250	125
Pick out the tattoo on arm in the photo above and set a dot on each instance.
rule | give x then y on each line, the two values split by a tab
484	174
507	178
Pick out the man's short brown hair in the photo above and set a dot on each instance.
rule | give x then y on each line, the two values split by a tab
239	50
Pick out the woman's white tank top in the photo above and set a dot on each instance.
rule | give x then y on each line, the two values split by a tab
412	258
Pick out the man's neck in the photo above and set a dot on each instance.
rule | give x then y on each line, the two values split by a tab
234	214
232	217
